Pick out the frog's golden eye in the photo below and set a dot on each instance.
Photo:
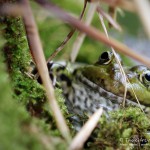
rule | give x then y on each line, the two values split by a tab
145	78
105	58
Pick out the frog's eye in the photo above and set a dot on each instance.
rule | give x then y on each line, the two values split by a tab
105	58
145	78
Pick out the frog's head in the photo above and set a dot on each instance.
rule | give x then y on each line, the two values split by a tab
106	74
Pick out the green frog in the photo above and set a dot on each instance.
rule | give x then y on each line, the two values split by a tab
90	87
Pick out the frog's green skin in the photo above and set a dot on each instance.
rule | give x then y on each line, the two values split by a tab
109	77
101	85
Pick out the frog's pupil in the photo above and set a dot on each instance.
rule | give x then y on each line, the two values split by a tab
104	55
147	76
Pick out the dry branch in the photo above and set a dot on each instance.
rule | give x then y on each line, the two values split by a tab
85	132
37	52
92	32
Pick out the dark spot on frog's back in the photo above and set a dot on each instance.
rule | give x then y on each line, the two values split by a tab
60	68
74	72
78	98
90	97
81	92
104	94
63	77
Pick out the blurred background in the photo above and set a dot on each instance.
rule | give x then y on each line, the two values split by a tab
53	32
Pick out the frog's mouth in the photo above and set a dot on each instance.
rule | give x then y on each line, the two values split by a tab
104	93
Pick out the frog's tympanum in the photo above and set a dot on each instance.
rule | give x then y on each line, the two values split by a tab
90	87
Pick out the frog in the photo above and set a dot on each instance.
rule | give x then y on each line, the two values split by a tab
102	85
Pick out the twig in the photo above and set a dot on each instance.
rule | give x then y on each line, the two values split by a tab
68	37
85	132
37	52
80	38
143	9
124	4
109	18
92	32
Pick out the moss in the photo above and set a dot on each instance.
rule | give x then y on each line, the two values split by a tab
16	124
12	119
124	128
18	59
